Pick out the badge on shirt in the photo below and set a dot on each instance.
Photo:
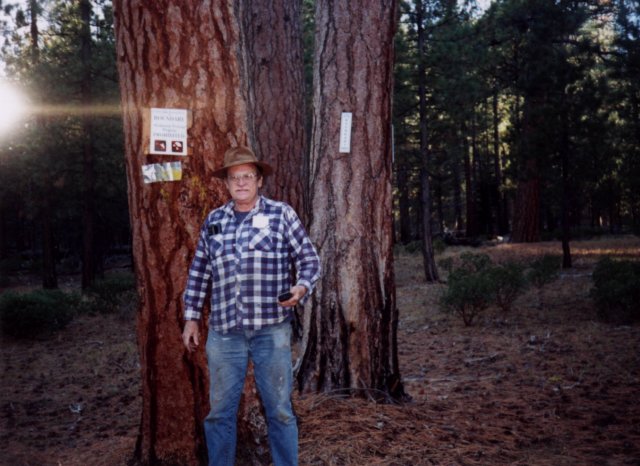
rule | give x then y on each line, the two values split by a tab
260	221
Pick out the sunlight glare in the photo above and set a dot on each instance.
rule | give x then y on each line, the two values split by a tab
13	106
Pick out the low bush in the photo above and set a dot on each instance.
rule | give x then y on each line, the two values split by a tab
477	283
469	289
544	270
27	315
468	294
616	290
508	282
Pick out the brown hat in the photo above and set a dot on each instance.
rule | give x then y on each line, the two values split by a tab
239	156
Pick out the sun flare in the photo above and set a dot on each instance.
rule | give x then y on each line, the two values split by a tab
13	106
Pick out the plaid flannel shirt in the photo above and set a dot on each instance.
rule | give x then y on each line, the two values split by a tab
248	265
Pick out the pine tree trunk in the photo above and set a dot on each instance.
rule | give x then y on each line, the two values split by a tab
497	169
273	63
526	216
272	68
526	211
46	213
428	256
351	320
472	216
193	55
88	209
404	204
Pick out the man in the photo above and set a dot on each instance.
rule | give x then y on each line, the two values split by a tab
245	252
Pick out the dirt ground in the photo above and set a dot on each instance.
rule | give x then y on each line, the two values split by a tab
545	385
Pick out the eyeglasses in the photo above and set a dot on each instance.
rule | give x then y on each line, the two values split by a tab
242	177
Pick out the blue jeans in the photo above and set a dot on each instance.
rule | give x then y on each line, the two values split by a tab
228	355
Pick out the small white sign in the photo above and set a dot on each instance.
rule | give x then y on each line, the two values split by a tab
345	132
168	131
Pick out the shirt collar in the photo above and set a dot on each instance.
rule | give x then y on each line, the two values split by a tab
259	207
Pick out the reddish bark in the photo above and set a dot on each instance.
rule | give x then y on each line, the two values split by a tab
350	323
175	55
273	64
197	56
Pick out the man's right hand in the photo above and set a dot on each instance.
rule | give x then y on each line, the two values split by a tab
191	335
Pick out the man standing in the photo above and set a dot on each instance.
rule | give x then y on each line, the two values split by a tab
246	251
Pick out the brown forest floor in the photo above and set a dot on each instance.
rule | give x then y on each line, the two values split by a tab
544	385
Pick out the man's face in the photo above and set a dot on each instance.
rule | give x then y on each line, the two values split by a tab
243	182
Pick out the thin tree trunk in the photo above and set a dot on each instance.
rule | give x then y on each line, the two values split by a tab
88	210
428	256
566	191
46	214
457	194
497	169
404	204
471	223
350	339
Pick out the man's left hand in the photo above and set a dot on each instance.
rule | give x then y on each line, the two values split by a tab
298	293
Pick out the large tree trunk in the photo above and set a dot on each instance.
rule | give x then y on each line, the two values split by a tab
526	215
351	321
526	212
273	68
193	55
88	209
273	62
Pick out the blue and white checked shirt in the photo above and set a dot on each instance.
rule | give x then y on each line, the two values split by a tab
248	265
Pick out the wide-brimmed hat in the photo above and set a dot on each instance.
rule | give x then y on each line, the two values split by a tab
239	156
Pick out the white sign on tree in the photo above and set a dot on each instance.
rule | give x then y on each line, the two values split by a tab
168	131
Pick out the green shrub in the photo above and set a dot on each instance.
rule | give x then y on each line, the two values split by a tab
475	262
616	290
477	283
111	293
544	270
508	281
468	294
25	315
469	289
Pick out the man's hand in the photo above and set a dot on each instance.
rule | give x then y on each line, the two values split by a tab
298	293
191	335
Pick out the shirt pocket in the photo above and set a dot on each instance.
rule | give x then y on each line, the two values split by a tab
261	239
216	244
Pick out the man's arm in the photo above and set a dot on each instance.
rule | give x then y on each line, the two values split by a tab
306	259
196	291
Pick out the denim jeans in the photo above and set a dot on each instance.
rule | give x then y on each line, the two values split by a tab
270	350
